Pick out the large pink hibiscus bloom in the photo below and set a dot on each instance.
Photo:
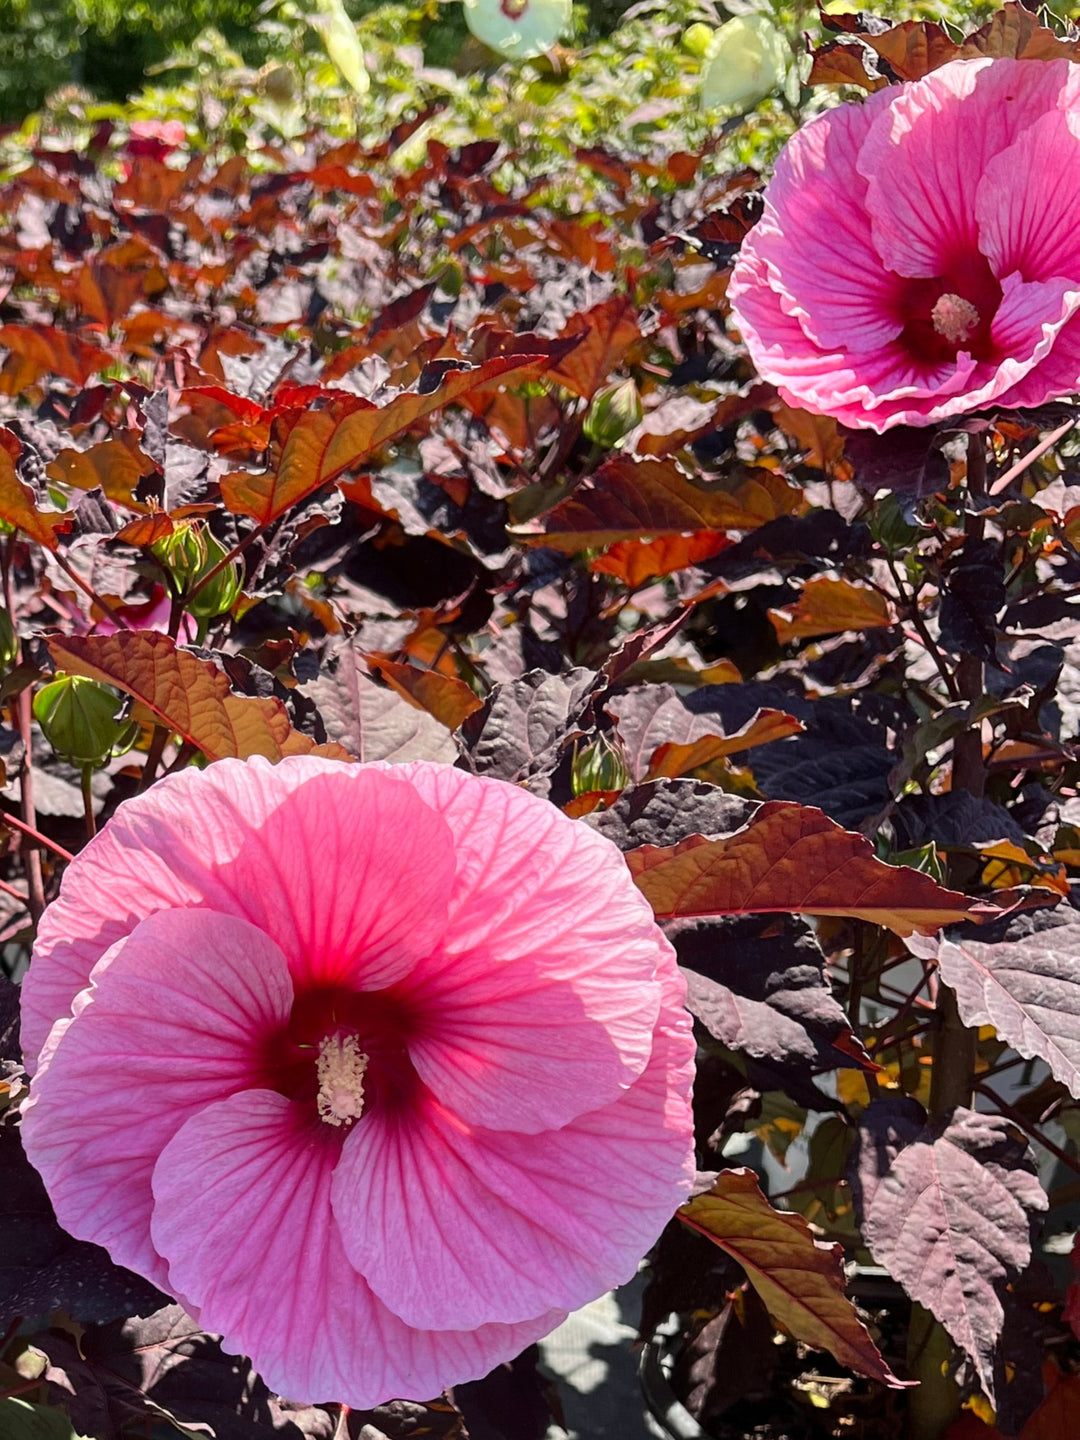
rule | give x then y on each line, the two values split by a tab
378	1070
919	255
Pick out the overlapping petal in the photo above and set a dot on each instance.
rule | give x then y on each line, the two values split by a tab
300	855
175	1019
541	1001
445	1220
264	1264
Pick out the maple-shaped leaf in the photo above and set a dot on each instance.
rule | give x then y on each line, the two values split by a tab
1025	984
793	858
1015	32
626	498
190	696
46	350
17	503
370	720
759	986
321	444
609	330
828	605
450	700
662	738
800	1279
635	561
113	465
950	1219
913	48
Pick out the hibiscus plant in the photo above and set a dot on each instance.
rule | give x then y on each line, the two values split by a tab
540	734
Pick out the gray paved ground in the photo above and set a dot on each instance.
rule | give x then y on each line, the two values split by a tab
591	1357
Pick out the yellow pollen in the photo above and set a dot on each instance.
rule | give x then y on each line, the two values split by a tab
955	318
340	1068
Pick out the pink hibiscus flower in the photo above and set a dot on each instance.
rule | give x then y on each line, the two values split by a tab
379	1070
919	255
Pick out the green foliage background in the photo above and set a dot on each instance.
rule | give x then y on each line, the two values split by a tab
107	45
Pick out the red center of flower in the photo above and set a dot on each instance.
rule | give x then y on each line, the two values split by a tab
514	9
342	1052
951	313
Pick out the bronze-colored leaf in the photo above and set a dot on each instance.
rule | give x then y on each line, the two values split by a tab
450	700
17	503
190	696
800	1279
626	499
828	605
789	858
322	444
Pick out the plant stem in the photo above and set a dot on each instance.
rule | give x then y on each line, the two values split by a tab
88	801
35	883
935	1405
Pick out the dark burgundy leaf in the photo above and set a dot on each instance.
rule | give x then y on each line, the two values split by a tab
973	596
663	812
950	1219
760	988
525	725
1024	980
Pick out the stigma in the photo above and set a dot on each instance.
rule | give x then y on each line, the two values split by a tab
955	318
340	1070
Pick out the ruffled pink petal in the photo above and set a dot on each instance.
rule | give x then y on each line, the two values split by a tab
262	1260
1032	227
175	1019
832	282
451	1225
1056	375
925	155
343	866
541	1001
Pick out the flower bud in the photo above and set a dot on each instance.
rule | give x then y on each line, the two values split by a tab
9	641
78	718
518	29
697	38
342	44
189	553
599	766
614	412
748	58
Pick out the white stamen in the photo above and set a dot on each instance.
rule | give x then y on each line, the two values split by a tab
340	1068
955	318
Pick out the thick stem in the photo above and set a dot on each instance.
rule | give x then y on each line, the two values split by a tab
88	801
935	1405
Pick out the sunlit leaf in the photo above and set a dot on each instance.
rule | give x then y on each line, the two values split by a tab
800	1280
792	858
192	697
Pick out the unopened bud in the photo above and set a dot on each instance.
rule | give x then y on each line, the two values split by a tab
187	556
614	412
79	718
600	765
748	59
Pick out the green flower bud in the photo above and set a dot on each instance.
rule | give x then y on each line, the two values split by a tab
78	717
189	553
9	641
748	59
613	413
697	38
599	766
